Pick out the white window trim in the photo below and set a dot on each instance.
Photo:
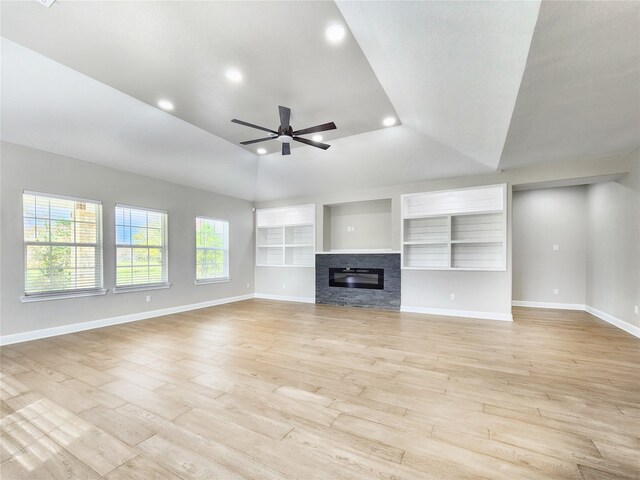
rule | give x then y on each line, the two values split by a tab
206	281
41	297
165	247
141	288
225	278
99	245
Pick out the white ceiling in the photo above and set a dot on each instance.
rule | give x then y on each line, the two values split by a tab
580	96
51	107
453	71
181	50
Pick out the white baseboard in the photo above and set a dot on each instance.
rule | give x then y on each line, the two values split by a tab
621	324
557	306
105	322
505	317
285	298
627	327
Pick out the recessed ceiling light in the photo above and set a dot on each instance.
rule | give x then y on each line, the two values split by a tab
389	121
165	105
233	75
335	33
317	138
261	151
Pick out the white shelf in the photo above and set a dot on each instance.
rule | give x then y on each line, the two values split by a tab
478	241
455	229
285	237
358	251
426	243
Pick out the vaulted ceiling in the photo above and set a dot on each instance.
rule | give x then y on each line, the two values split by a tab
476	86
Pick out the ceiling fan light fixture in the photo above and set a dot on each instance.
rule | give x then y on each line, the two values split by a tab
335	33
285	133
261	151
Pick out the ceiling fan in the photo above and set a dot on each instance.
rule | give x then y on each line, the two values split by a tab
285	133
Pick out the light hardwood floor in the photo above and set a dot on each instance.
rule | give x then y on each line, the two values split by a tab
268	390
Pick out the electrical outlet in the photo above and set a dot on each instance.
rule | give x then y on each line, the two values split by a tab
556	247
556	291
452	296
351	228
635	309
148	298
248	285
284	286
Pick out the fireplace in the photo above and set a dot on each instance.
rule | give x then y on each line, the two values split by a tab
372	278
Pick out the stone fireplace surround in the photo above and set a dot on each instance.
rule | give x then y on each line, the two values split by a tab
387	298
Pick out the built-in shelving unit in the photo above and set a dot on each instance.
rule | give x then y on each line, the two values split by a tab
463	229
285	237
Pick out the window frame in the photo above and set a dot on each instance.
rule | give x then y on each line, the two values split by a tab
165	250
226	276
98	245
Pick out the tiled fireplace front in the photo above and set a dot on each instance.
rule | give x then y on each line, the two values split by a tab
359	279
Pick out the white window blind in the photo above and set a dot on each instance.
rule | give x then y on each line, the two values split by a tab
212	249
141	247
62	244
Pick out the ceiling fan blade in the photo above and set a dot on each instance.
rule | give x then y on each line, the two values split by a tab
247	124
286	149
323	146
249	142
318	128
285	117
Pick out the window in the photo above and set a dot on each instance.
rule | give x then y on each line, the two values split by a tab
212	249
141	248
62	246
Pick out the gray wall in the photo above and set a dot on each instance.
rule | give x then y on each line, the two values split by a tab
613	260
28	169
542	218
475	291
371	222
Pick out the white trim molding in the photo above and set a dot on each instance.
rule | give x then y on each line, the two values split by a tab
105	322
621	324
141	288
616	322
556	306
285	298
42	297
504	317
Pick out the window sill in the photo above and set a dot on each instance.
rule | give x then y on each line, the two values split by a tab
206	281
60	296
141	288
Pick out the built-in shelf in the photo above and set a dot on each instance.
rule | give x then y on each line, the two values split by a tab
461	229
368	251
285	236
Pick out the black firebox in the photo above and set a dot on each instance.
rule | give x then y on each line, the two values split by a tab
357	278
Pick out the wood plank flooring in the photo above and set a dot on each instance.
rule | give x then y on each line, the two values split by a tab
267	390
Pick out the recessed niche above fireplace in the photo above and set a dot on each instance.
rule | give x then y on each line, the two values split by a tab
362	225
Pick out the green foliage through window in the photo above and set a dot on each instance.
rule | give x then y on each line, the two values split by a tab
62	244
212	248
